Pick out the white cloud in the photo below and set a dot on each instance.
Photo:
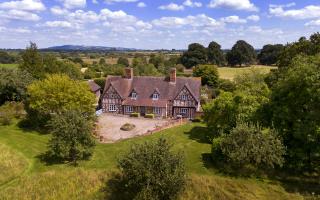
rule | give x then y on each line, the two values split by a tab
254	18
233	4
70	4
141	5
233	19
56	10
288	5
201	20
27	5
172	6
313	23
19	15
307	12
60	24
190	3
80	16
95	2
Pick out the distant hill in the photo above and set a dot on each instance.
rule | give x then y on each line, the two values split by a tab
87	48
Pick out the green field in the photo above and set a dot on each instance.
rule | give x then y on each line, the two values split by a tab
31	178
14	65
231	72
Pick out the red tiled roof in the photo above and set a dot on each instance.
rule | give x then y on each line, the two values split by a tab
145	86
93	86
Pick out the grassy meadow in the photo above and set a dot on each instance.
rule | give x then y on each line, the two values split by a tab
230	72
14	65
32	178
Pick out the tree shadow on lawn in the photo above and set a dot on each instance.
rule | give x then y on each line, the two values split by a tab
199	134
115	189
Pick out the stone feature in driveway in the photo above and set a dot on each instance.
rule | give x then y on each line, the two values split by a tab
109	126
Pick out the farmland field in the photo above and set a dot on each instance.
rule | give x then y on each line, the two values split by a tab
231	72
45	180
14	65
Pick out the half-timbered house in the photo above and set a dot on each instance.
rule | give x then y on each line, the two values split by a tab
163	96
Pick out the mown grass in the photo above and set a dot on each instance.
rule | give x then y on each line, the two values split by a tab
12	164
89	180
230	72
14	65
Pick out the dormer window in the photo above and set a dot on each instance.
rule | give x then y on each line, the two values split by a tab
133	95
155	96
184	97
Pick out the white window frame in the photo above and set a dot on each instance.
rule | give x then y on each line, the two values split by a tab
134	95
184	97
155	96
112	108
183	110
156	110
129	109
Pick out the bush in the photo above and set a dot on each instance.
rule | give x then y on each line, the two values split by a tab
9	111
152	171
151	116
127	127
249	145
135	115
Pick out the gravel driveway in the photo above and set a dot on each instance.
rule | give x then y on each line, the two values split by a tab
109	126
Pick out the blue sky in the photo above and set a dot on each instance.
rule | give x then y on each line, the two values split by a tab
151	24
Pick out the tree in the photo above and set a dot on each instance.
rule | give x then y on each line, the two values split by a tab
269	54
13	84
241	53
32	61
208	73
157	60
215	54
6	58
71	137
152	171
195	55
57	94
123	61
295	106
250	145
102	61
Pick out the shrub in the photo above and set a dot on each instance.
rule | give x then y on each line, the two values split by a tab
151	116
152	171
135	115
127	127
249	145
9	111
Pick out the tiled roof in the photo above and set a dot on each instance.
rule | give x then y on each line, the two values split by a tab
93	86
145	86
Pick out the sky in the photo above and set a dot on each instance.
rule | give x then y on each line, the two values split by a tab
151	24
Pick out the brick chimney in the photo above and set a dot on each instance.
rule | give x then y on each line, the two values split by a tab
173	75
128	72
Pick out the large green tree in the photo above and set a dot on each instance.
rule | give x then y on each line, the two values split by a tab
13	84
32	61
295	106
195	55
269	54
208	73
152	171
242	53
6	58
71	137
123	61
215	54
57	94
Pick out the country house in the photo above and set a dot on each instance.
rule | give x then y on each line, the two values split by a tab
164	97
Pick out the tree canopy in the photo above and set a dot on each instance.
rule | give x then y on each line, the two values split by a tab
195	55
269	54
241	53
208	73
215	54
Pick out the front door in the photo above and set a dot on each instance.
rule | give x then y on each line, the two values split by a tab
142	111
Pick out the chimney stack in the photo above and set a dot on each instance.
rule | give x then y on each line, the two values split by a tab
128	72
173	75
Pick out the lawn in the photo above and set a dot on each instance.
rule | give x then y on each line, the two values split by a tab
41	180
231	72
14	65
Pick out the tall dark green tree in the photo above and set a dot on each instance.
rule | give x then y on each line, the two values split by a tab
215	54
32	61
269	54
208	73
195	55
241	53
295	107
6	58
123	61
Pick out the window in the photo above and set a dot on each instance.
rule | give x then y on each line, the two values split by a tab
184	97
183	110
133	95
155	96
129	109
156	110
112	107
